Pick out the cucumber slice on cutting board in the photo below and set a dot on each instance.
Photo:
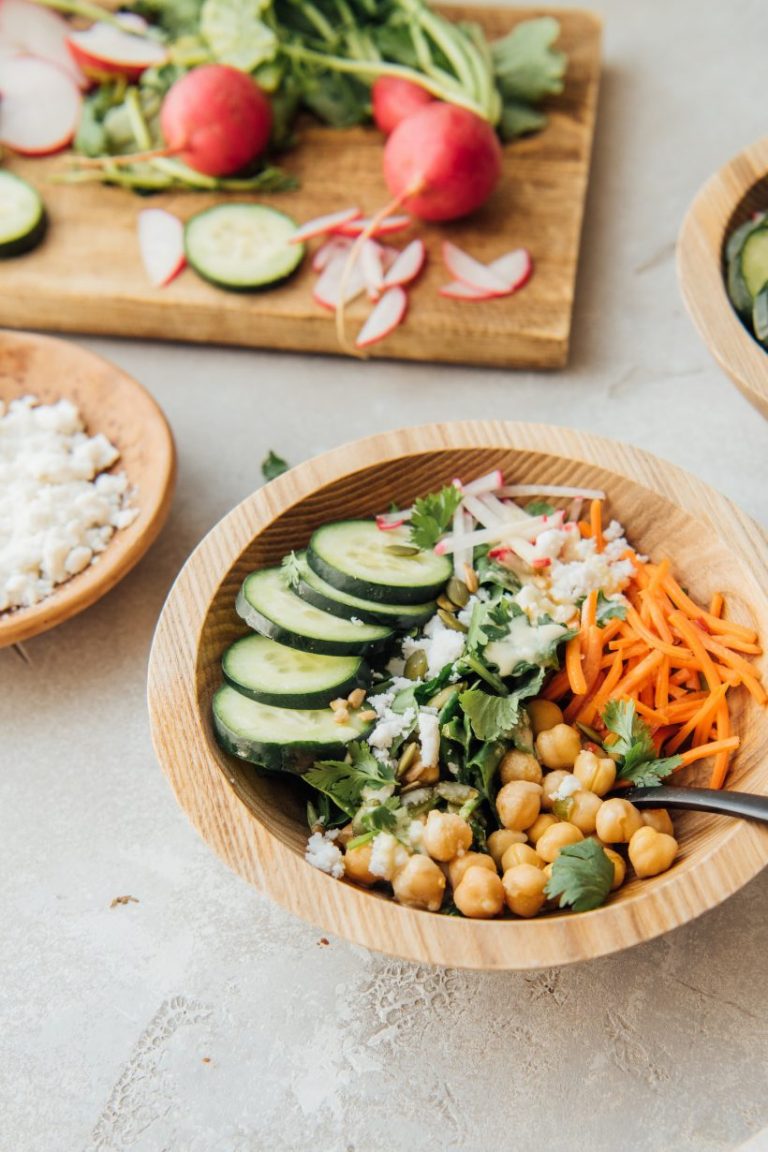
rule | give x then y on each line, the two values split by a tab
356	557
22	216
281	739
269	606
288	678
242	247
319	592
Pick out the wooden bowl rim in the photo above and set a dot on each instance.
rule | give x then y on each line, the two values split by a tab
700	273
129	544
260	857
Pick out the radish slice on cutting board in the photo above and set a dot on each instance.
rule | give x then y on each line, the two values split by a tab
27	29
385	227
384	318
327	290
321	225
104	50
39	106
161	243
471	272
407	265
515	267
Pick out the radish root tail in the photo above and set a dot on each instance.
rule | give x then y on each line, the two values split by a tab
124	160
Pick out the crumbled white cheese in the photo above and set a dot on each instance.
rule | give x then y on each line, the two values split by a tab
58	507
429	736
387	855
568	785
416	835
390	727
322	853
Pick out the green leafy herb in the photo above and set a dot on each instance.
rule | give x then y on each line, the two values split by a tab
382	818
291	570
539	508
634	745
432	515
480	769
527	67
273	465
236	34
608	609
490	572
491	717
490	621
581	876
343	781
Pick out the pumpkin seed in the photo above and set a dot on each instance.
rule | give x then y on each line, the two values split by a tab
442	697
458	592
445	603
456	793
470	576
416	665
407	759
451	622
402	550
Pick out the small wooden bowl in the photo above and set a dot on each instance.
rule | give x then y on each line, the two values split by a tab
727	200
113	403
256	823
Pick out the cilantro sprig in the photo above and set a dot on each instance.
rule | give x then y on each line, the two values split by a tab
273	465
432	515
638	761
581	876
343	781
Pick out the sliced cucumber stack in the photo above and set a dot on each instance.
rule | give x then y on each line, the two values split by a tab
288	678
242	247
280	739
357	558
319	592
269	606
22	216
746	255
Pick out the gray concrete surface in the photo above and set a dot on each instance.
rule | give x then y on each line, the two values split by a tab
204	1019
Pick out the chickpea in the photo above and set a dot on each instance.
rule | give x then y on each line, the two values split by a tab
556	838
524	889
583	809
357	865
550	785
651	852
595	773
459	865
558	747
617	821
539	826
446	835
518	804
543	715
520	854
346	834
519	766
619	868
498	842
419	884
551	901
659	819
480	894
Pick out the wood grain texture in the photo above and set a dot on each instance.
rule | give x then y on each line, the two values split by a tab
256	823
87	276
727	200
113	403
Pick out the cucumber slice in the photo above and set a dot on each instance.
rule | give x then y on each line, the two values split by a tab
760	316
737	289
268	605
358	558
281	739
754	260
287	678
735	241
242	247
22	216
319	592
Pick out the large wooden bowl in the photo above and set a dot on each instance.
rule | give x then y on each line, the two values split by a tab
113	403
256	823
727	200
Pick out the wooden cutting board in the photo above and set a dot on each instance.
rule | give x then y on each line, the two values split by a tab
87	276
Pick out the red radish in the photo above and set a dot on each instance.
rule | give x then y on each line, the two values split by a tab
321	225
40	106
394	98
104	50
28	29
442	162
216	120
161	243
471	272
327	290
384	227
385	317
407	265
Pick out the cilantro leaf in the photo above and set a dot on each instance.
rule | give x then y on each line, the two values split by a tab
608	609
344	780
432	514
480	769
640	764
581	876
539	508
490	716
650	773
490	621
382	818
273	465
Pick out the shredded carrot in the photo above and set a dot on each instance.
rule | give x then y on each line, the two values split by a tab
573	666
687	605
596	524
589	611
694	638
704	750
716	605
702	715
584	529
720	768
748	679
639	673
661	692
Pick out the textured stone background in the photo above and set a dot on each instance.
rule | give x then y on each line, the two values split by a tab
204	1019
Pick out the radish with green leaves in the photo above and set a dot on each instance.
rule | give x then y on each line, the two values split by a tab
394	99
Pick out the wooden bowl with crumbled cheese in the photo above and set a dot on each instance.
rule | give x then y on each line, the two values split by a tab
256	821
87	467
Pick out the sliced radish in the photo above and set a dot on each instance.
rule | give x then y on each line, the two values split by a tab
471	272
388	256
515	267
483	485
105	50
327	290
27	28
385	525
161	243
40	108
372	269
551	490
407	265
386	316
326	252
321	225
458	291
385	227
